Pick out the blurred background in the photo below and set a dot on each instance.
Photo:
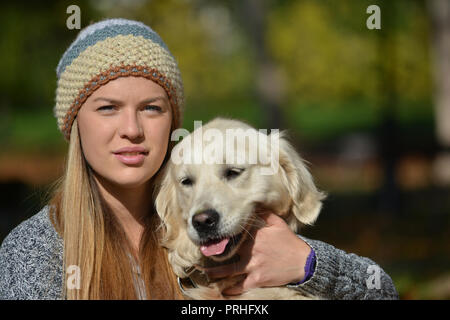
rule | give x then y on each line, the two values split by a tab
369	109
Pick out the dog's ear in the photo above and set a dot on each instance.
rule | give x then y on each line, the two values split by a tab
182	252
166	204
306	199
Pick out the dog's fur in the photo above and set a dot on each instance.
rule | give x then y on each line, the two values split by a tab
290	193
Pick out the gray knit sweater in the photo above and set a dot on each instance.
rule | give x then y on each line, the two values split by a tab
31	259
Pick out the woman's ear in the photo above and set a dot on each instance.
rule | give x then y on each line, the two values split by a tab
306	199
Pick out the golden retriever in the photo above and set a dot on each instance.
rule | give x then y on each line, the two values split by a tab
208	207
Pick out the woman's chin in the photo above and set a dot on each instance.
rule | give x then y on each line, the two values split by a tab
130	183
126	181
127	178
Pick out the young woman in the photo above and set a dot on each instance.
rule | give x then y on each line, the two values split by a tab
119	97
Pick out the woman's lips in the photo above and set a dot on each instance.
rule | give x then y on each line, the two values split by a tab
131	157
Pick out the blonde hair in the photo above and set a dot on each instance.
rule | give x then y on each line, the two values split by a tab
95	241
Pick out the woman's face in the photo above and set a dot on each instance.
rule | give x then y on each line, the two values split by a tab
124	128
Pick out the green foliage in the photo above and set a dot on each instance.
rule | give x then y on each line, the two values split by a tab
213	58
332	65
34	36
34	132
323	56
325	120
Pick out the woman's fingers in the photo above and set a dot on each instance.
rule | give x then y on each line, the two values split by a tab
249	282
238	288
271	219
223	271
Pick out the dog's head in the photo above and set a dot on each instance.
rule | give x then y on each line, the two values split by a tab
218	177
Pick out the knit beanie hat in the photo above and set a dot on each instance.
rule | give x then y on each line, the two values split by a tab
105	51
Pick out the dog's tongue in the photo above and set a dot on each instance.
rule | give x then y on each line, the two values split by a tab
214	248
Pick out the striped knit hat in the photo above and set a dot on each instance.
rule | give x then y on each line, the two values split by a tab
105	51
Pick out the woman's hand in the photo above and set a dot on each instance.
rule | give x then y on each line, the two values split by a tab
272	256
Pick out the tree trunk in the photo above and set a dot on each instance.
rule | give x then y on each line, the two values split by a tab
390	149
269	83
440	21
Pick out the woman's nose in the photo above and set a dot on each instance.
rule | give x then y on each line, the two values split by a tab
130	125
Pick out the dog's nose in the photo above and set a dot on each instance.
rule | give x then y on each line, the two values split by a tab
205	221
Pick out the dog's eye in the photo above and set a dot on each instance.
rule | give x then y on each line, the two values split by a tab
186	182
231	173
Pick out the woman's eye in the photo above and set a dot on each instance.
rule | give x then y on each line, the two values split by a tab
231	173
153	108
105	108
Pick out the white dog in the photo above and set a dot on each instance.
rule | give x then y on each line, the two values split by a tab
208	207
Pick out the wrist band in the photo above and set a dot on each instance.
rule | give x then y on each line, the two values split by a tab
309	267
